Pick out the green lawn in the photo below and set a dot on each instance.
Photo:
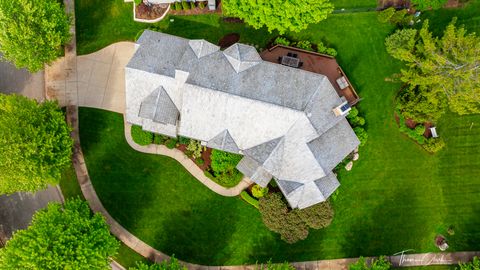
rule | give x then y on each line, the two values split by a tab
354	4
396	197
71	189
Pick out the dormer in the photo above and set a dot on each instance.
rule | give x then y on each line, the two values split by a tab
242	57
202	47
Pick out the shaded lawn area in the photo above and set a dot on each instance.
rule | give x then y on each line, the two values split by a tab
100	23
71	189
397	196
354	4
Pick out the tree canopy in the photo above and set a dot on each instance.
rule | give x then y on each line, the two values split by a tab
32	32
61	237
281	15
35	144
293	225
440	71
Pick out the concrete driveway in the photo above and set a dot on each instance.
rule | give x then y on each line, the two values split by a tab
20	81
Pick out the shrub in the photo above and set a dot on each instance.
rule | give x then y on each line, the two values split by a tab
292	225
331	52
271	266
258	191
183	140
185	5
159	139
195	148
140	136
192	5
304	44
177	6
171	143
201	5
138	2
473	265
172	264
377	264
361	134
249	199
385	15
354	119
200	161
434	145
282	41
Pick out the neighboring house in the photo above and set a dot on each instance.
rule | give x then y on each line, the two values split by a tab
289	124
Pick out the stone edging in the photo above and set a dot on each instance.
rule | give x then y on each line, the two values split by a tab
188	164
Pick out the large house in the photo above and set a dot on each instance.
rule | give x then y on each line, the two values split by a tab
289	124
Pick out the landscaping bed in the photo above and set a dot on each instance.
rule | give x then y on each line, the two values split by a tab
217	165
150	12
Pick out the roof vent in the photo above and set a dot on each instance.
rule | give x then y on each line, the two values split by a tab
342	109
242	57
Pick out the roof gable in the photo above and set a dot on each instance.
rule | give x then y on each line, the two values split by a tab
159	107
202	47
224	141
261	152
242	57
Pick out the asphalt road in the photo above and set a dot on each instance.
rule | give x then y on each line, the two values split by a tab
13	80
16	210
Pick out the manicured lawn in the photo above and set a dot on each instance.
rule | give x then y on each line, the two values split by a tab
353	4
396	197
71	189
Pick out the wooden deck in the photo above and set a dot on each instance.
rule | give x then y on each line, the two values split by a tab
318	63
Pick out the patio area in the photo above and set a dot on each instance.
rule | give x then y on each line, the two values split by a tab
314	62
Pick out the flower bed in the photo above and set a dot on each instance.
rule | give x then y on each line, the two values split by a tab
148	12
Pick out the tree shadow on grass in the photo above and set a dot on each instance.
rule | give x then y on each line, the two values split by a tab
391	227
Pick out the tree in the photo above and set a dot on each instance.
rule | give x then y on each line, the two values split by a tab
293	225
291	15
439	70
32	32
426	4
376	264
35	144
172	264
61	237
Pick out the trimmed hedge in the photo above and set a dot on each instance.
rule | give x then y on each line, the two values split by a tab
249	199
140	136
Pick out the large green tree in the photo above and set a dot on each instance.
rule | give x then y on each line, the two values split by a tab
35	144
438	70
65	236
293	225
32	32
281	15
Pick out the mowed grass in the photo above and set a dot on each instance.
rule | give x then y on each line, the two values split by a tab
353	4
397	196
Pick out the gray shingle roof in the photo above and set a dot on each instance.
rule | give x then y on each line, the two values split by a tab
334	145
159	107
224	141
279	117
262	151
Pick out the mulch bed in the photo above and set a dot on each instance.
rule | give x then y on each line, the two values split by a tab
150	12
197	10
383	4
412	124
205	156
228	40
232	20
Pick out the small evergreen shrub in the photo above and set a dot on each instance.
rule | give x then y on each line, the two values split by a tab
159	139
331	52
177	6
201	5
380	264
249	199
183	140
185	5
171	143
192	5
140	136
200	161
434	145
361	134
304	44
258	191
282	41
195	148
223	168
